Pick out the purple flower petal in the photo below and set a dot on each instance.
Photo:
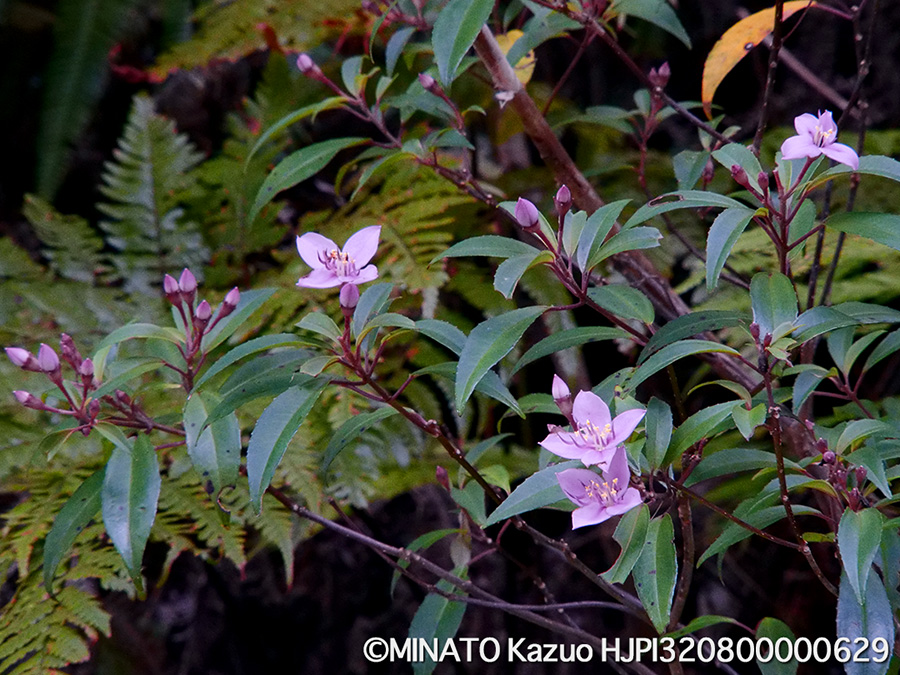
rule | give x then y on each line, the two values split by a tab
618	469
592	514
311	244
630	499
573	482
589	407
598	457
805	124
367	273
826	125
319	278
797	147
843	154
363	245
625	424
562	443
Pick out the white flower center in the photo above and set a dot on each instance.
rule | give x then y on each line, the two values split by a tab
339	262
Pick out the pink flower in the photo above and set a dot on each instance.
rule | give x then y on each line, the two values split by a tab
816	136
596	436
599	498
333	266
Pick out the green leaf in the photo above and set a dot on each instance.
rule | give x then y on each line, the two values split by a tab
864	312
805	384
297	167
820	320
747	420
395	46
658	425
274	430
497	474
774	302
736	153
572	337
511	270
858	348
760	519
250	301
700	623
687	326
857	430
870	619
129	497
623	301
775	629
657	12
436	621
133	331
595	231
79	510
215	450
537	491
698	426
254	346
889	345
419	543
873	165
490	384
489	342
322	324
631	533
681	199
134	368
890	563
859	540
443	333
292	118
883	228
374	300
723	235
351	431
688	166
656	571
630	239
489	245
455	29
735	460
672	353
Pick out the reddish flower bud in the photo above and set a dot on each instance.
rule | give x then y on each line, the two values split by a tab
754	331
828	457
739	175
69	351
560	389
29	400
659	77
232	298
440	473
563	200
94	408
427	81
349	296
763	180
526	215
47	359
24	359
170	288
203	312
187	282
86	369
861	473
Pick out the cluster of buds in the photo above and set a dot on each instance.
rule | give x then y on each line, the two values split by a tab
47	361
198	316
839	476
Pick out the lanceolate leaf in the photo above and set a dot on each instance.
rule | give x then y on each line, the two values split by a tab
623	301
595	230
489	245
673	352
631	533
658	424
762	518
870	619
687	326
215	450
73	517
292	118
350	431
511	270
538	490
773	629
774	301
436	621
129	497
253	346
723	235
297	167
736	153
274	430
251	301
681	199
489	342
859	539
657	12
573	337
455	29
883	228
656	571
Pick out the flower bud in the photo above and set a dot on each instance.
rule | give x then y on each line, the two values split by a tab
86	369
659	77
187	282
828	457
739	175
203	312
24	359
69	351
232	298
306	64
763	180
349	296
47	359
29	400
94	408
440	473
171	290
563	200
560	389
427	82
754	331
861	473
526	215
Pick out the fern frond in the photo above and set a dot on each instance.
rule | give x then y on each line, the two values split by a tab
228	30
71	244
147	184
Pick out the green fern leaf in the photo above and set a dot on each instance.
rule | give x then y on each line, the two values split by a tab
147	185
72	246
